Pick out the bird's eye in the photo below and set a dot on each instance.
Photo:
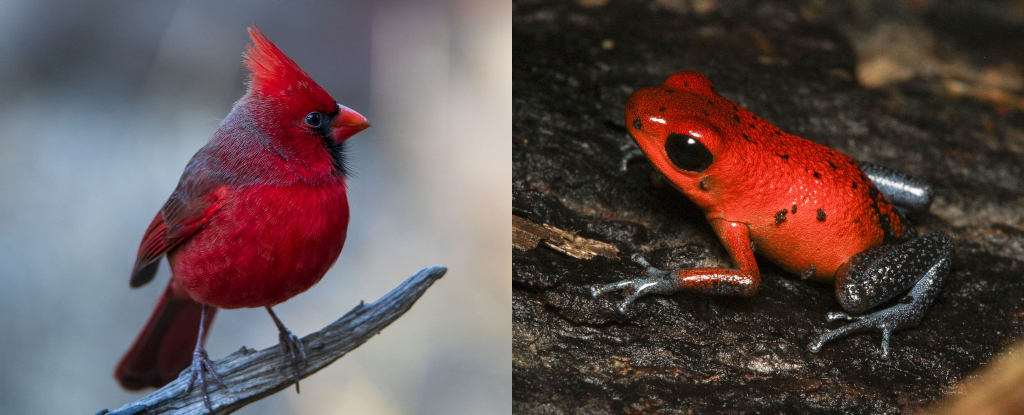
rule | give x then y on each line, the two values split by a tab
687	153
314	119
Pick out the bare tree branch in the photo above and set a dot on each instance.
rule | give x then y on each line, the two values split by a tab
253	375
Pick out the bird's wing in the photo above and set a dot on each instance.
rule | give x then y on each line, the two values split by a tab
179	219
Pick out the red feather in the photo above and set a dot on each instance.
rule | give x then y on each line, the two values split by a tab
273	73
260	213
178	220
164	347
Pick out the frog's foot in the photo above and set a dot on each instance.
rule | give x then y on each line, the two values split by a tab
658	281
877	275
630	152
886	321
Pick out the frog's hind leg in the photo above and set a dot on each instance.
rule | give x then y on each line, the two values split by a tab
879	274
907	193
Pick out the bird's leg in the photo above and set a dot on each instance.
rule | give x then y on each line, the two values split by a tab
201	363
291	347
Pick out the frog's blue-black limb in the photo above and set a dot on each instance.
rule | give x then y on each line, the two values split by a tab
629	152
879	274
657	282
907	193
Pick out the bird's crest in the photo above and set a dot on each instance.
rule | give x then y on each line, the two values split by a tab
273	73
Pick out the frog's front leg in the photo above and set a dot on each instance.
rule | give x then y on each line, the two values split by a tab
629	152
879	274
745	280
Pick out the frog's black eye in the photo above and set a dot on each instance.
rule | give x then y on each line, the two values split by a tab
687	153
314	119
637	125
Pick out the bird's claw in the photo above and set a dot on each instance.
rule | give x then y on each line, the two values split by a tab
293	351
200	364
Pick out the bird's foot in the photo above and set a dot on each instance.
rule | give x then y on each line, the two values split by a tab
293	352
200	364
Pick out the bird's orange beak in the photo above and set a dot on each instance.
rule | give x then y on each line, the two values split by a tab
347	123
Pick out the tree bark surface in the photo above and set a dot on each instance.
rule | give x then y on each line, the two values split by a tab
574	66
252	375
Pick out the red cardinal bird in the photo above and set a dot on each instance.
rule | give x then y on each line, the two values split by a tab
259	216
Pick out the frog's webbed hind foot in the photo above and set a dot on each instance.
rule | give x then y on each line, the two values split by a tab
658	281
879	274
629	152
885	321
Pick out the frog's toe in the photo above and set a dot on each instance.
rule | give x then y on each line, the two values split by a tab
631	151
650	270
634	285
885	321
815	346
860	325
631	286
598	290
886	334
642	287
839	315
627	302
659	282
640	260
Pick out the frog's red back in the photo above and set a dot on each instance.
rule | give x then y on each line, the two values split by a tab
805	203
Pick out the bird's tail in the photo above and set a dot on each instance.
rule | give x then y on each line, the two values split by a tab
165	345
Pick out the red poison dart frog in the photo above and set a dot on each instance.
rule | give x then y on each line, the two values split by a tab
807	208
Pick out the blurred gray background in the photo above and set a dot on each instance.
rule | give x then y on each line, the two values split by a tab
102	104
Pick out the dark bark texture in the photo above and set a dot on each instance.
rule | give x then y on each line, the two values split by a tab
574	65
